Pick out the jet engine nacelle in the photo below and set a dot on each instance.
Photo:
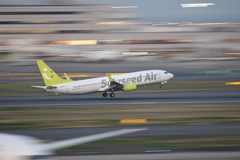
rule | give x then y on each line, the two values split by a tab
129	87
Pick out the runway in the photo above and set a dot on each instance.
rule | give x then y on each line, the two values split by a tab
153	131
161	156
124	99
130	99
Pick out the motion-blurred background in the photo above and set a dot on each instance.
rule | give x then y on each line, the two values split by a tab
197	41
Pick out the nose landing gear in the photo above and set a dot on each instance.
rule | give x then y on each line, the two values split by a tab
161	85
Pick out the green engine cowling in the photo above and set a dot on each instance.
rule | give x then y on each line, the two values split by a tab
129	87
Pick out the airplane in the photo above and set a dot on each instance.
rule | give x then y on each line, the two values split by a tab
19	147
123	82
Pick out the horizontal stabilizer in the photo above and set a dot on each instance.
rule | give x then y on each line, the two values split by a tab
39	87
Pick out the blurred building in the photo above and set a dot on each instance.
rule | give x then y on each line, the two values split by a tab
59	21
70	27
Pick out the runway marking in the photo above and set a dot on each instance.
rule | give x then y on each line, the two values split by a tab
74	104
203	102
97	104
229	94
168	133
142	103
158	151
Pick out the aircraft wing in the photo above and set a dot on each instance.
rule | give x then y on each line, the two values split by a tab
113	85
81	140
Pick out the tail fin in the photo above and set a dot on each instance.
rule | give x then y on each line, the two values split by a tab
49	76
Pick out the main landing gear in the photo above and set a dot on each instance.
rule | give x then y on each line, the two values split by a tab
111	94
104	94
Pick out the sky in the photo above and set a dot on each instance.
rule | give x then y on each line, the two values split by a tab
172	11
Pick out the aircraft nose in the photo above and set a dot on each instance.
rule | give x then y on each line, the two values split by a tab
171	75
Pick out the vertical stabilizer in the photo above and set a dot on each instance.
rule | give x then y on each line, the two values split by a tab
49	76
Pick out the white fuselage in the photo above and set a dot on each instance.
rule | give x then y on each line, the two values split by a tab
100	84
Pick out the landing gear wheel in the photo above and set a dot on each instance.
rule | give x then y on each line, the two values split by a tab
112	94
160	86
104	94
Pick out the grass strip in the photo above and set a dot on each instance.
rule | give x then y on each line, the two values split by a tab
108	116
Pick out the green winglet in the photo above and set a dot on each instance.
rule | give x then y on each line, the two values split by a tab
110	78
67	77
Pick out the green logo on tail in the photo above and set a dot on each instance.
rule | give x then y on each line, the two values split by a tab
45	75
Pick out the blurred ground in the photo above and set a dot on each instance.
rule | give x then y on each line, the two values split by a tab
195	111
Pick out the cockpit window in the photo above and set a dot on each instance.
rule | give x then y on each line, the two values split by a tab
165	72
